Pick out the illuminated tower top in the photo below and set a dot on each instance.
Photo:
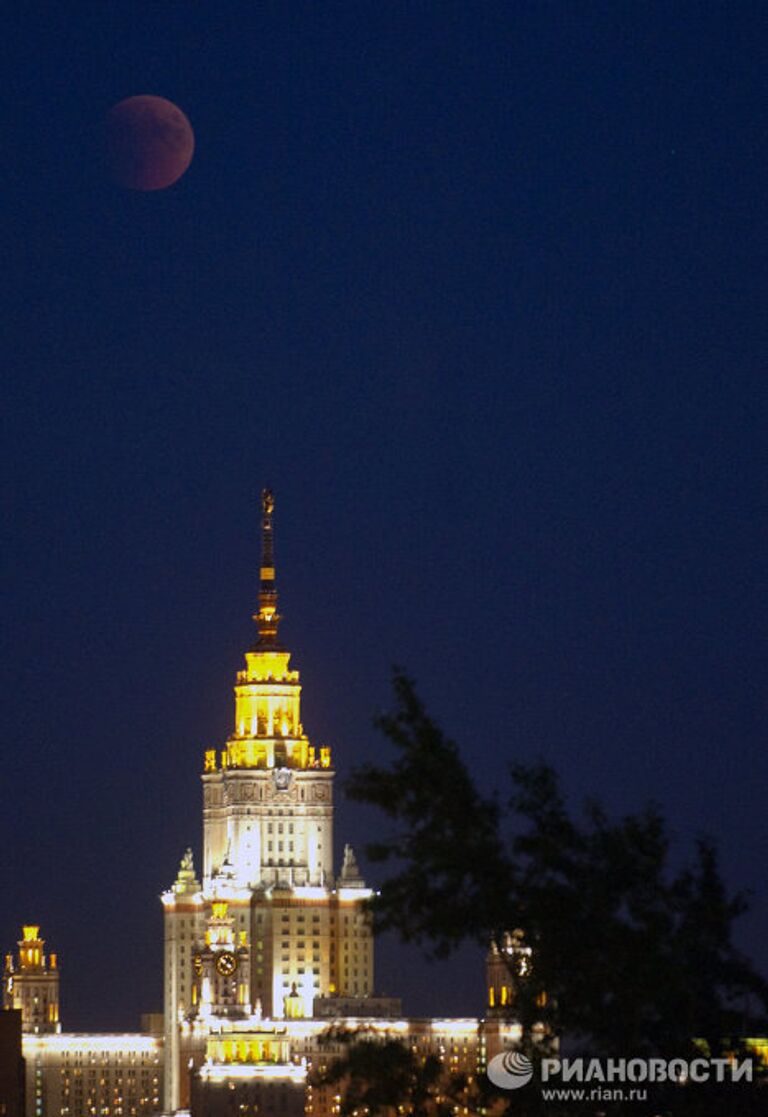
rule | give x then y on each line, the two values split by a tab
268	732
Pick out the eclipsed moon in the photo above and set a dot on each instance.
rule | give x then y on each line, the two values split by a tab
149	142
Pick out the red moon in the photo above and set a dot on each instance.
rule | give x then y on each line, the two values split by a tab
149	142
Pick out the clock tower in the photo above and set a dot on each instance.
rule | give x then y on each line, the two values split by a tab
221	985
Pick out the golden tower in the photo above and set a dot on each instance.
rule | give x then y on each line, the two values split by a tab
31	983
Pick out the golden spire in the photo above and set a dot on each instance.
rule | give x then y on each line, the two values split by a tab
267	619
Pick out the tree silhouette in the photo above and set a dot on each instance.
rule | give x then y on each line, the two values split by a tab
628	957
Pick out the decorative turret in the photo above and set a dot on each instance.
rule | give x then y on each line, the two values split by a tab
350	876
506	964
31	983
186	882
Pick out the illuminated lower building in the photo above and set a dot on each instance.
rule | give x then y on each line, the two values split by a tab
80	1075
249	1072
69	1074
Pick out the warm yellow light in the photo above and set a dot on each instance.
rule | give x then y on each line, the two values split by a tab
210	760
287	1071
98	1044
760	1049
354	894
30	933
325	757
219	909
309	892
456	1026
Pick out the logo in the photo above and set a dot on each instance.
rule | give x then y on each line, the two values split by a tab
510	1070
605	1079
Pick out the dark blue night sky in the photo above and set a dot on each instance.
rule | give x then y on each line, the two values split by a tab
479	290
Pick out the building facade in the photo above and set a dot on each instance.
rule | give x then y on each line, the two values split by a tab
271	945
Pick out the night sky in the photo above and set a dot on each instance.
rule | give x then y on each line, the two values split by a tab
480	291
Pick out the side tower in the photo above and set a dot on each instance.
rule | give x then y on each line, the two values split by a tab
31	983
183	919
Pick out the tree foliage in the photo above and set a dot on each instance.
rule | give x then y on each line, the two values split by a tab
633	957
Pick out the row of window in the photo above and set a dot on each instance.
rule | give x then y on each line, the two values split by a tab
118	1071
105	1056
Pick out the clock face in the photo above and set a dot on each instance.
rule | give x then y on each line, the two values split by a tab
226	963
197	962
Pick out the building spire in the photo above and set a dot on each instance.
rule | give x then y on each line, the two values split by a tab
267	619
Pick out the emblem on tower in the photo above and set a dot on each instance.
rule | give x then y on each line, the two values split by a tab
282	777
